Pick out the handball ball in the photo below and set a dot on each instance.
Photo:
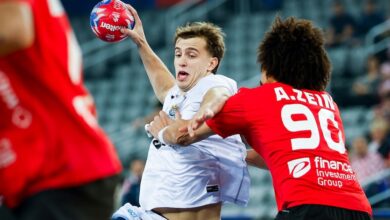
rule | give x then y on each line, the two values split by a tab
108	17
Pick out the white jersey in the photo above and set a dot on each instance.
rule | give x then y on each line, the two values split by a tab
210	171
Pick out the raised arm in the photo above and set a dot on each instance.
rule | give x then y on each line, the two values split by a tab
17	28
160	77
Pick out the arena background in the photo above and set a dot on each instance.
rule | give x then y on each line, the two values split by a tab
115	76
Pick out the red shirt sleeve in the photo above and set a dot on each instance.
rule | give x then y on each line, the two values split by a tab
231	119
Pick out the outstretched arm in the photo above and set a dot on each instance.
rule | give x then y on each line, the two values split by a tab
175	132
160	77
17	28
212	103
185	132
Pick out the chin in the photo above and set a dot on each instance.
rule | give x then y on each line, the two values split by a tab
181	84
183	87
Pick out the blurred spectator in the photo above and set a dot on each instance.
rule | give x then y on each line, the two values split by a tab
368	84
369	17
342	27
365	163
131	185
379	139
364	88
378	131
384	87
383	109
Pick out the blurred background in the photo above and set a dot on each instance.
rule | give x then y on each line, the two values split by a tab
358	42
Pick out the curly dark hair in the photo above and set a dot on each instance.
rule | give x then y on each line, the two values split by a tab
292	52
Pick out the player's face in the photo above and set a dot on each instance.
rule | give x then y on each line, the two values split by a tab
192	62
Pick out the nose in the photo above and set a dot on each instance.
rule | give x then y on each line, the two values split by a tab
181	61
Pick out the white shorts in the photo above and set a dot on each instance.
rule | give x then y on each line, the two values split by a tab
130	212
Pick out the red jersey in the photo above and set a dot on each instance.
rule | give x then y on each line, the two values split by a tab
299	134
49	136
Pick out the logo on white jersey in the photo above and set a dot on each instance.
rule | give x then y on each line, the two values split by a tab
299	167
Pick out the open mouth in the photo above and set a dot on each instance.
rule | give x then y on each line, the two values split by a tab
182	75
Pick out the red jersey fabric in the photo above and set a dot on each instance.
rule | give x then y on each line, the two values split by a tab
49	136
299	134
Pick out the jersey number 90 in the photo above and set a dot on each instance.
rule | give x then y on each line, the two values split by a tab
310	124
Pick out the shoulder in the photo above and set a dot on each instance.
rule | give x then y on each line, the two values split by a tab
212	81
217	79
172	92
260	90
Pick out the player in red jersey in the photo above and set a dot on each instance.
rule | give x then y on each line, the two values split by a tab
292	124
55	160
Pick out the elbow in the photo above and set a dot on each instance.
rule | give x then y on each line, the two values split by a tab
225	97
222	100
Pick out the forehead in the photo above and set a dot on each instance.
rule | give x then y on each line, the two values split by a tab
197	43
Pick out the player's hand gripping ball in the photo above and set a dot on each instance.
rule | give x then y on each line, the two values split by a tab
108	17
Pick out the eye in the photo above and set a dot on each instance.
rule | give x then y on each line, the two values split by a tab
192	55
177	54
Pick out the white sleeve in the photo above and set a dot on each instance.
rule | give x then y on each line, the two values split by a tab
216	81
196	94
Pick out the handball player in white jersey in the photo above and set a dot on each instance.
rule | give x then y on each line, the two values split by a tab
191	182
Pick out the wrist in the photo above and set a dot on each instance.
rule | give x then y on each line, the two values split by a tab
160	135
147	131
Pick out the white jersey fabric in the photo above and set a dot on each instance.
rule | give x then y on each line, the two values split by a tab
210	171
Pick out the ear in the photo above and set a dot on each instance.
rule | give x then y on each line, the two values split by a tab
263	76
264	72
213	63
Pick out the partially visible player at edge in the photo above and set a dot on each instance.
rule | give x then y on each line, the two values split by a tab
55	160
291	122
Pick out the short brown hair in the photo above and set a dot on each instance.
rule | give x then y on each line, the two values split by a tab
210	32
293	53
